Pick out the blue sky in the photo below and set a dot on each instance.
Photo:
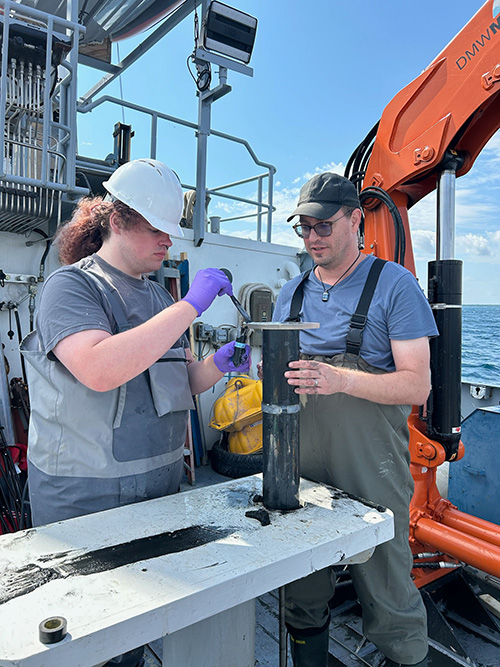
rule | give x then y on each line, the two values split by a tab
323	73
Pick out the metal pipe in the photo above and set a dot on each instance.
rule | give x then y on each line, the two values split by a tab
280	423
242	182
445	241
259	213
37	14
47	110
270	185
154	134
202	133
282	627
472	525
3	81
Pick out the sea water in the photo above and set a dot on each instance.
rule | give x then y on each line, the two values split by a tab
481	344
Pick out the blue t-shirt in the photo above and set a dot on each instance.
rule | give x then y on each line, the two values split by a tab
399	311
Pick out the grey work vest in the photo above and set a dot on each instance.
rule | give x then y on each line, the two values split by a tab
134	429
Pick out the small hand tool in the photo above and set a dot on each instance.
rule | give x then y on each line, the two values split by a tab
239	343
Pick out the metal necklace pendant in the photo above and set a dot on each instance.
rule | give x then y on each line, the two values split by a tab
326	292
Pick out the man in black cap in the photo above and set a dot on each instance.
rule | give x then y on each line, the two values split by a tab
358	375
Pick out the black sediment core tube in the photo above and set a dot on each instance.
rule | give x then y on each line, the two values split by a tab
281	408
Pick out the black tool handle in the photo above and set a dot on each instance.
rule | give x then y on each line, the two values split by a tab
239	344
246	317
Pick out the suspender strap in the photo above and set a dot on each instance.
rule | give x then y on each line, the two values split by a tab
297	298
359	318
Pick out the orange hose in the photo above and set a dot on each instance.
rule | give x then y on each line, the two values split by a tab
466	548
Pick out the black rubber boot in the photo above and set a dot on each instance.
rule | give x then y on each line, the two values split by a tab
309	647
391	663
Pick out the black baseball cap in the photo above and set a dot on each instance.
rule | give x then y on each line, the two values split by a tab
324	195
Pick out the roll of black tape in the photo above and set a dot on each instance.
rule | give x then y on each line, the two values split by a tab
52	630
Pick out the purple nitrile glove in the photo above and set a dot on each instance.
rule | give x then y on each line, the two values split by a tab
207	284
223	359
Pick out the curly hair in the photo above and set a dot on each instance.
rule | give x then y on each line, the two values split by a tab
89	227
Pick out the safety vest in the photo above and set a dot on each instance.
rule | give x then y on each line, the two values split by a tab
133	429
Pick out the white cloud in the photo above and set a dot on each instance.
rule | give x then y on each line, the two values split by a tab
479	245
335	167
424	243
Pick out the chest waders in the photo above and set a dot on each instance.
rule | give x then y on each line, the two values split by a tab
361	447
90	451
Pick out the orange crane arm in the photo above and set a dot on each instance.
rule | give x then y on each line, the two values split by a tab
448	112
453	105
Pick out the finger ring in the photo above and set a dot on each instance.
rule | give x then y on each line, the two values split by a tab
315	382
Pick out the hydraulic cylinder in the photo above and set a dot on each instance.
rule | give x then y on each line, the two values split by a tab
444	404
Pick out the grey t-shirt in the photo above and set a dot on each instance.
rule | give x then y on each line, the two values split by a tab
69	303
398	311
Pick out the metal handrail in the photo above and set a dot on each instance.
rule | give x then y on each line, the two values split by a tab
155	115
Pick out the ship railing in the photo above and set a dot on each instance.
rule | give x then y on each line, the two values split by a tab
264	200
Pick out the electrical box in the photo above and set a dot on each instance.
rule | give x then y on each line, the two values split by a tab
220	336
202	331
261	310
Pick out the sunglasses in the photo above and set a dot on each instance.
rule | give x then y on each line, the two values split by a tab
321	228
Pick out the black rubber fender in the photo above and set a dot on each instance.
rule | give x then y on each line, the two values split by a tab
234	465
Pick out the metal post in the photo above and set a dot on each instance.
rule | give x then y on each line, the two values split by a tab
270	186
259	209
204	115
71	95
154	132
204	120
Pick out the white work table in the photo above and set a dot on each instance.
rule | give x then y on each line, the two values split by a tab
202	558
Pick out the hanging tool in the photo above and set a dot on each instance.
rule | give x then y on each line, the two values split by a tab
239	343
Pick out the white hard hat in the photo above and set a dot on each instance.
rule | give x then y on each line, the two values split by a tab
152	189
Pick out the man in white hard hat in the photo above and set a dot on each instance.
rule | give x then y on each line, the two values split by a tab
112	375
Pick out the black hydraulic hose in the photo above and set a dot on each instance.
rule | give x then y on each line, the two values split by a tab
366	157
48	243
374	192
356	178
360	156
